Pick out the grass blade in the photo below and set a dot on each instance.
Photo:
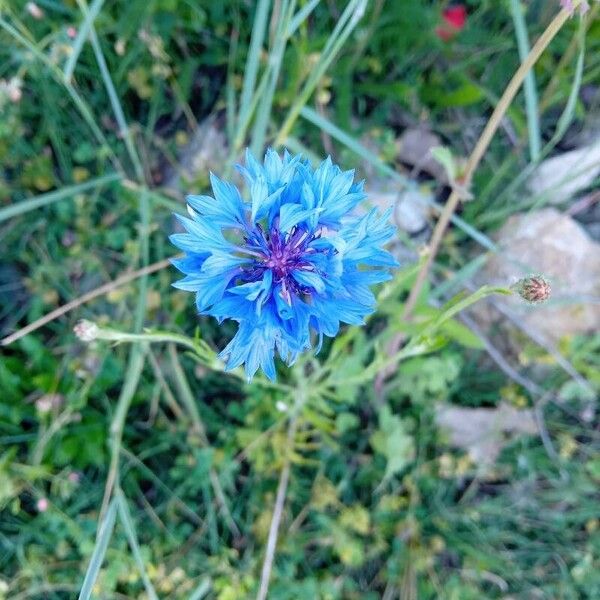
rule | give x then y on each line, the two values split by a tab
256	41
566	116
24	206
350	18
136	358
104	534
112	95
259	131
82	34
529	85
127	522
244	122
201	590
135	367
230	101
353	144
301	16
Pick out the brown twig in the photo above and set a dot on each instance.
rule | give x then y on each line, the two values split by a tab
69	306
480	148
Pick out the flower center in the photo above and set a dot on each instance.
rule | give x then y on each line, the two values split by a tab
283	262
285	255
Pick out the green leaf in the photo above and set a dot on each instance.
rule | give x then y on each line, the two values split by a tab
461	334
444	156
346	421
394	442
465	95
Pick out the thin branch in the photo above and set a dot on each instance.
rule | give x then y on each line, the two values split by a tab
69	306
533	388
280	498
480	148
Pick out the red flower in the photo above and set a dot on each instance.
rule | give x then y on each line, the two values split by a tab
454	19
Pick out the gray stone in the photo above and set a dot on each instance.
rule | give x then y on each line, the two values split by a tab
483	432
412	210
558	179
414	148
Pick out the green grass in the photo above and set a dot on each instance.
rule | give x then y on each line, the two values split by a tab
141	470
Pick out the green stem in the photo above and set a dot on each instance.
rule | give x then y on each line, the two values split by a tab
154	337
132	377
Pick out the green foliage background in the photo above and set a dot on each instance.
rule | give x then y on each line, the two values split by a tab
379	504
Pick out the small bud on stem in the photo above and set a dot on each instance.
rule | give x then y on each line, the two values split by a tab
534	289
86	331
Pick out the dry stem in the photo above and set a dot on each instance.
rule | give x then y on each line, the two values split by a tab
473	162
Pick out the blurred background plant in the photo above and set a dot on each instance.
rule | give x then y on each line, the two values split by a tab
470	472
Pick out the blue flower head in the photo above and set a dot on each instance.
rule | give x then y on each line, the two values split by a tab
289	260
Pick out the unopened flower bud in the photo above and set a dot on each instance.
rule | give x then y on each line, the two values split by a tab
86	331
534	289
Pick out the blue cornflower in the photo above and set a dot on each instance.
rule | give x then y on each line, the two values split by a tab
290	259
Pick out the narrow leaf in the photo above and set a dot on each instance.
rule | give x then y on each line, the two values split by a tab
104	534
127	522
45	199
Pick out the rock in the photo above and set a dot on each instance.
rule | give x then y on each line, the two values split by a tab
409	213
559	178
412	205
483	432
551	244
414	148
412	210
